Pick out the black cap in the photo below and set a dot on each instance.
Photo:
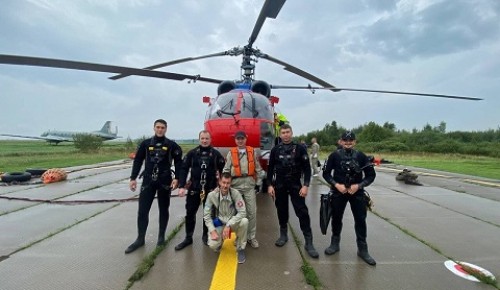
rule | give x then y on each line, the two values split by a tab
240	134
348	135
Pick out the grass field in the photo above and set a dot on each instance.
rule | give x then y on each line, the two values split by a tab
480	166
17	156
20	155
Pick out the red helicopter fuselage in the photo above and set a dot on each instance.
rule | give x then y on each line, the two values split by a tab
242	110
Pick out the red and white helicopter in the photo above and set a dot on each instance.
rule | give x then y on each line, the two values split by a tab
245	104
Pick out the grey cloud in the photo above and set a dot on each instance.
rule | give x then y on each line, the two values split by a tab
442	28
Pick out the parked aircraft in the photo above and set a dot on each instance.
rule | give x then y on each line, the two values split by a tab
56	137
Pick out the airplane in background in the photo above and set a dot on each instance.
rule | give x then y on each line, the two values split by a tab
56	137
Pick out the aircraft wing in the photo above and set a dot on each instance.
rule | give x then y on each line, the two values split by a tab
48	138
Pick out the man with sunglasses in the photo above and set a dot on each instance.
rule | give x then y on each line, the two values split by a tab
349	171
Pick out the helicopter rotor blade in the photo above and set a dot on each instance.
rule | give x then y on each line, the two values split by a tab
181	60
270	9
336	89
77	65
298	71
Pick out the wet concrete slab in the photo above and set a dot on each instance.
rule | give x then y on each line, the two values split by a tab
271	267
267	267
90	255
116	191
478	186
446	227
5	189
483	209
7	206
21	228
403	262
97	188
66	188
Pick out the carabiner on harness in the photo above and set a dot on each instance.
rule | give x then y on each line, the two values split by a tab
154	175
203	182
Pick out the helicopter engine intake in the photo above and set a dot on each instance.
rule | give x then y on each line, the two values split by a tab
262	88
225	86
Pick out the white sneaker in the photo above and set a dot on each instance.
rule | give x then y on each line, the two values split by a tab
315	175
253	243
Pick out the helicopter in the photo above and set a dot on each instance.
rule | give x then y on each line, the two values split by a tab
245	104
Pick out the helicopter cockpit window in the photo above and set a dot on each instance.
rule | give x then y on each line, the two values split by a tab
256	106
223	107
252	106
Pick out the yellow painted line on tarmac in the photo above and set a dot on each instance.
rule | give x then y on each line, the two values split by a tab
482	182
225	271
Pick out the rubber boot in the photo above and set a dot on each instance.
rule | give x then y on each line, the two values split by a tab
139	242
161	239
204	237
309	247
283	237
334	246
363	253
187	241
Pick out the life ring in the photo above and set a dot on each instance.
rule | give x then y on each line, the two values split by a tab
16	176
36	171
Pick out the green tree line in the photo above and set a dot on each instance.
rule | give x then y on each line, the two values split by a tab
373	138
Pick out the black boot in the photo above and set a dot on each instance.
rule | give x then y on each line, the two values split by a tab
363	253
334	246
309	247
161	240
187	241
139	242
204	237
283	237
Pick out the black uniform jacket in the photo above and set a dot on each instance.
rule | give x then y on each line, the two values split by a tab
287	162
199	159
336	170
171	152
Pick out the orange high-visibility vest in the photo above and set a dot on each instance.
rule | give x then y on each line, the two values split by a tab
236	161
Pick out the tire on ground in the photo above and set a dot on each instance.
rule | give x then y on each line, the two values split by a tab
36	171
16	176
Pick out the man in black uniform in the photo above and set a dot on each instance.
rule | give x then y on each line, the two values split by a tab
157	154
352	171
205	163
287	162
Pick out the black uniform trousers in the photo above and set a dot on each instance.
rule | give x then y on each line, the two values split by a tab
148	191
358	208
193	201
290	187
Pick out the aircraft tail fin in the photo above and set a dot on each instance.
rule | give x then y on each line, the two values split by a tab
107	128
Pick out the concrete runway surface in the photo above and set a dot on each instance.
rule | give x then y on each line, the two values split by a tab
413	230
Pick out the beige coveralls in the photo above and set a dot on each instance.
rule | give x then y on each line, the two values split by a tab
231	212
246	185
314	157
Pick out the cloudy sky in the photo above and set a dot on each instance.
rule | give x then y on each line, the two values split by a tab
431	46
